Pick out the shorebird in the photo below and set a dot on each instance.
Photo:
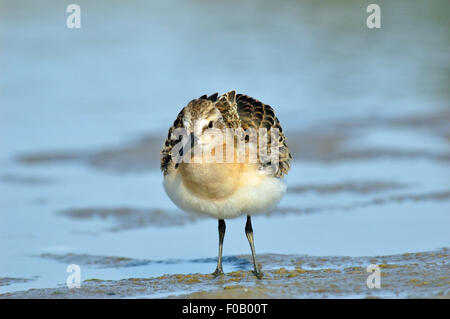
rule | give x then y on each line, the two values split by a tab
231	188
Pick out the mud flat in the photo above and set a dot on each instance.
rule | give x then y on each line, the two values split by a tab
410	275
5	281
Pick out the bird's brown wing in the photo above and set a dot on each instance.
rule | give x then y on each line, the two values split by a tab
166	152
255	114
243	111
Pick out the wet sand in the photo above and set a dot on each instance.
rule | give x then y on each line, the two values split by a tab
5	281
126	218
416	275
129	218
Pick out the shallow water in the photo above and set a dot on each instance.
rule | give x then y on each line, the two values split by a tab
83	114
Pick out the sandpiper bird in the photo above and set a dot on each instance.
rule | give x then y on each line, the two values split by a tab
226	189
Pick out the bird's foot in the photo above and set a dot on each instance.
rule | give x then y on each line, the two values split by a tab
218	272
258	274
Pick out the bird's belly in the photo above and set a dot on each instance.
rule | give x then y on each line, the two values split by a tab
223	191
213	181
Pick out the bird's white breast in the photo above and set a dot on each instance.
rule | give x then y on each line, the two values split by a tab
223	191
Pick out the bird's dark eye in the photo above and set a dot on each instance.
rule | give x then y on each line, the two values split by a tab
211	124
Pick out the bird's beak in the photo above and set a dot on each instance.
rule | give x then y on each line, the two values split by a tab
193	139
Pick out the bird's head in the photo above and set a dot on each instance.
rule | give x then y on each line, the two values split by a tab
202	121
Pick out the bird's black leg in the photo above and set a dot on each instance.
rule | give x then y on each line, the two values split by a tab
219	270
249	234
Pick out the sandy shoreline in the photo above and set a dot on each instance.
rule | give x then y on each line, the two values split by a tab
411	275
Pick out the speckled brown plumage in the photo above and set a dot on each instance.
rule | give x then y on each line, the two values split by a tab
238	111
